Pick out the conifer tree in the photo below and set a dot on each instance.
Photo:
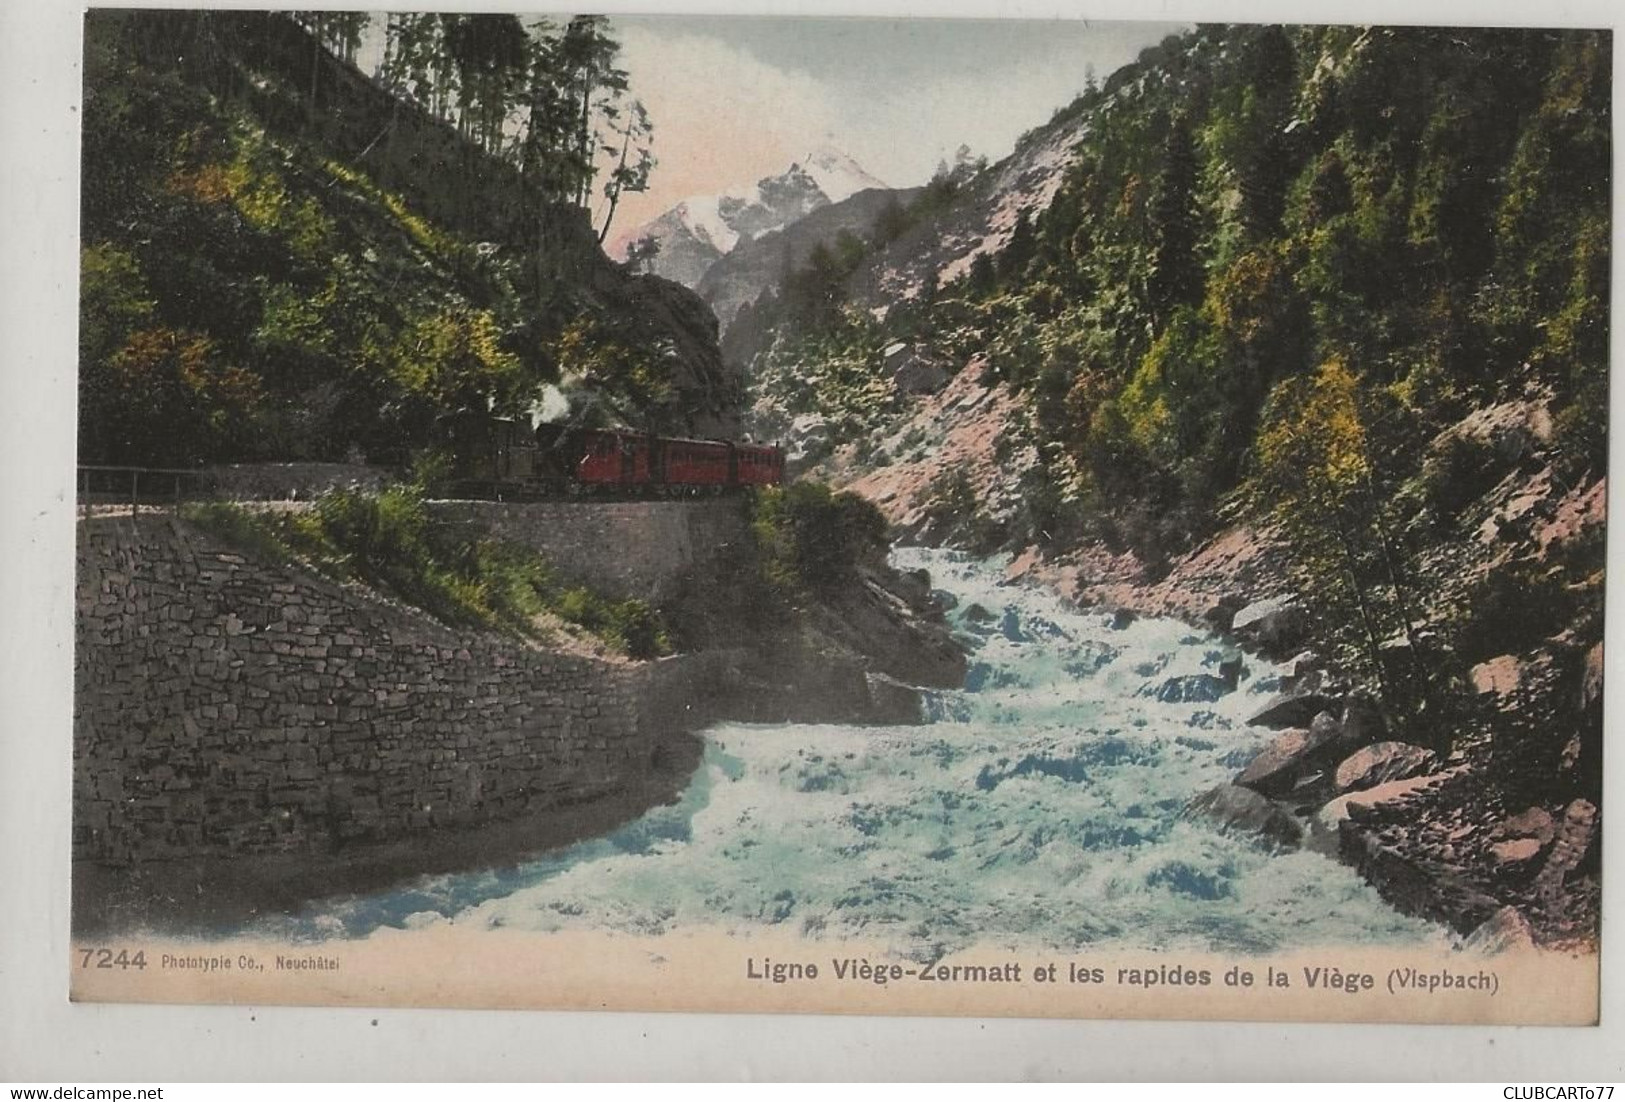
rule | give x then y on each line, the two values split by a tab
1019	251
1176	268
983	278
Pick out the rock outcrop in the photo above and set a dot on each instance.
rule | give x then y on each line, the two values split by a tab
1243	811
1275	626
1287	760
1382	762
1505	931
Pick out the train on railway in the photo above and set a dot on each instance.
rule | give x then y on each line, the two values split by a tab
497	456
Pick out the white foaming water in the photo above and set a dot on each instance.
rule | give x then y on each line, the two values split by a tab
1040	808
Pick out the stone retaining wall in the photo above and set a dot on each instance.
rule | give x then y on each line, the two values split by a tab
228	705
622	548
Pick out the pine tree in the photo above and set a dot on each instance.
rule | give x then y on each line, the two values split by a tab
1019	251
1176	268
983	278
634	163
488	54
1267	161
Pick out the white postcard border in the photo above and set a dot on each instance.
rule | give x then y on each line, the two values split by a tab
44	1038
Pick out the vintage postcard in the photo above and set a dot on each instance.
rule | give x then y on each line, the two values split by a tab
841	515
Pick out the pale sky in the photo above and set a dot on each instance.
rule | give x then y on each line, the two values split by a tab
734	99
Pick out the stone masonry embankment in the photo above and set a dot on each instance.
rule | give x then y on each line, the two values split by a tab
227	705
639	549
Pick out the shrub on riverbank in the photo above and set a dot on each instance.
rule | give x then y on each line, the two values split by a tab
811	537
390	542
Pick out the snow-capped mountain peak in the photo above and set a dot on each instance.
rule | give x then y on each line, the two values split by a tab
702	214
698	231
837	175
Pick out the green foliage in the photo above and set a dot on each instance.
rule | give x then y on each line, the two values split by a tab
166	397
631	626
1464	468
249	292
1313	461
237	525
1176	267
114	301
837	375
1513	601
1426	207
1581	432
390	541
811	538
454	362
954	508
983	278
631	378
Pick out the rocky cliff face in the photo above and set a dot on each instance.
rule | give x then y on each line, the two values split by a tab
710	392
980	222
965	433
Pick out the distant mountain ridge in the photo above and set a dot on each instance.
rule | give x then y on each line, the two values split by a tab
700	230
756	266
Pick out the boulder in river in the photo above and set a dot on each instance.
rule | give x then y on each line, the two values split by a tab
1193	688
1290	755
1292	710
1243	811
1274	625
1382	761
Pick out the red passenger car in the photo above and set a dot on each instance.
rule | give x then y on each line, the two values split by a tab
612	459
694	463
496	456
758	465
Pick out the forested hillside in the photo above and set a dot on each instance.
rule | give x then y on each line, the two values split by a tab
1341	290
1281	263
286	259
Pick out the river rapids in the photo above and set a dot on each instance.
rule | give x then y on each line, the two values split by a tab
1040	807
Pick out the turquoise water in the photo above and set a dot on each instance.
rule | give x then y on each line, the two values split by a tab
1039	808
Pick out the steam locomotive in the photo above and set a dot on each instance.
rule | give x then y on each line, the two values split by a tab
497	456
